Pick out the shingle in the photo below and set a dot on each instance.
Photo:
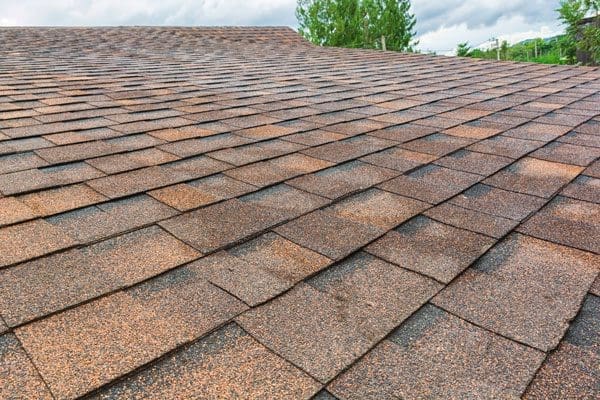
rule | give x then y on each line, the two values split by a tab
431	183
436	355
506	146
153	177
255	152
572	371
18	376
567	153
265	132
271	165
567	221
75	152
437	144
344	150
471	220
404	133
20	162
221	224
184	132
54	201
83	348
357	127
97	222
398	159
283	201
13	210
431	248
314	137
31	289
30	239
203	191
56	127
145	126
377	208
525	289
328	234
35	179
228	363
580	139
85	135
127	161
323	327
474	162
498	202
343	179
583	188
473	132
192	147
537	131
535	177
277	170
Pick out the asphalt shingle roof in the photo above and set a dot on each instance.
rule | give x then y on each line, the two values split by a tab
235	213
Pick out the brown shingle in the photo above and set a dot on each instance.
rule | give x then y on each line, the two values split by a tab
567	221
498	202
215	226
18	376
35	179
437	144
525	289
86	347
55	282
398	159
343	179
227	364
329	234
30	239
54	201
572	371
431	183
324	326
97	222
471	220
185	196
431	248
377	208
473	162
533	176
437	355
20	162
13	210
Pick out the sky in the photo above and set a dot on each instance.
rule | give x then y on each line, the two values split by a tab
441	24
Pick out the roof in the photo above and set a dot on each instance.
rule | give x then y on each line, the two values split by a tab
235	213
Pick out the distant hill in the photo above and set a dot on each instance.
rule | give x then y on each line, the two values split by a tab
546	40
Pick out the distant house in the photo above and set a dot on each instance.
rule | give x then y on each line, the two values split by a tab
585	57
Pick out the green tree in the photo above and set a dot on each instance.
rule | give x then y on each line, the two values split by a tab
463	49
504	50
578	37
357	23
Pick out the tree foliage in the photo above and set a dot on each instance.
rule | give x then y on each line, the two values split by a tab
585	38
463	49
357	23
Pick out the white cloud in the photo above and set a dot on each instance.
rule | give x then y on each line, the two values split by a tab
441	24
445	39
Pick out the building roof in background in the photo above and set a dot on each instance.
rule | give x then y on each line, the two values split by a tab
235	213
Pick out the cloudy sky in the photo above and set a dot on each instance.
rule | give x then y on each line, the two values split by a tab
441	24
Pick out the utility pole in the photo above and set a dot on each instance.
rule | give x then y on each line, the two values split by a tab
383	43
535	47
498	49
